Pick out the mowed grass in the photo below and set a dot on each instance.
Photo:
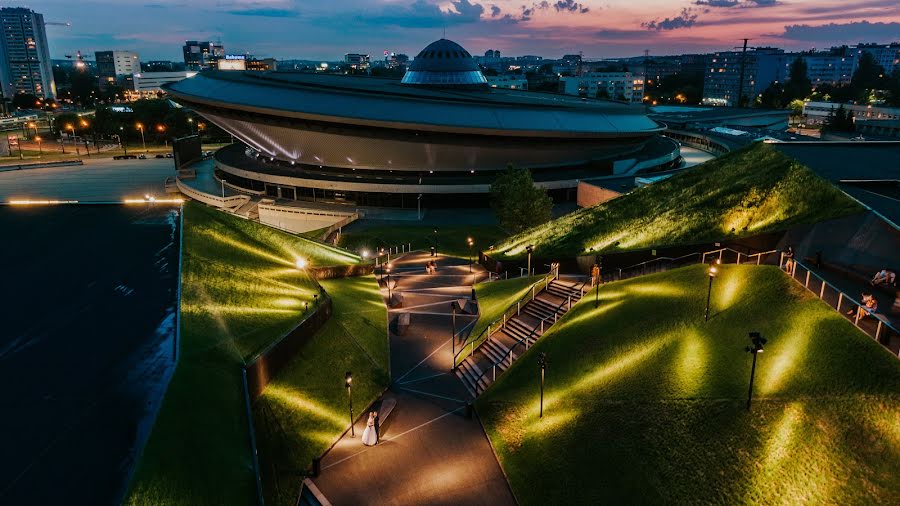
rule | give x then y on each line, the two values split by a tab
645	402
240	292
750	191
494	297
304	410
449	240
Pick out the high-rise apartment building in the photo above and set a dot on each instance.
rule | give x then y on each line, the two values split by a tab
24	54
202	55
760	67
114	66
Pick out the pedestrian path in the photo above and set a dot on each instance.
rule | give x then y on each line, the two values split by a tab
430	451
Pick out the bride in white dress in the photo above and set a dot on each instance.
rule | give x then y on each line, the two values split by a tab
370	436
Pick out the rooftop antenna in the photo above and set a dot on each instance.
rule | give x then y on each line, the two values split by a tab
740	99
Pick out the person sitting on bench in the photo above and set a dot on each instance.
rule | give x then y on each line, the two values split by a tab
884	276
868	307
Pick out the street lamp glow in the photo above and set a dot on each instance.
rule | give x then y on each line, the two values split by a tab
365	254
301	263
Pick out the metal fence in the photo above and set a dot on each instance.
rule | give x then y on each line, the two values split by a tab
875	325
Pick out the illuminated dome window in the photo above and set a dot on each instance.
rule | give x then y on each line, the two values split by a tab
444	63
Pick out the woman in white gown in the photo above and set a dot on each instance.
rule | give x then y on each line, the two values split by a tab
370	435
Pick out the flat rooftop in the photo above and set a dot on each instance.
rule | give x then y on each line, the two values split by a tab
867	171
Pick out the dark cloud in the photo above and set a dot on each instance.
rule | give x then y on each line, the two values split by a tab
495	11
746	4
855	31
265	13
570	6
686	19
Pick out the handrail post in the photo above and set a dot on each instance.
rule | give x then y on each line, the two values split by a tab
840	300
807	278
856	321
758	258
569	303
518	308
781	261
532	292
739	258
720	254
542	326
822	291
878	330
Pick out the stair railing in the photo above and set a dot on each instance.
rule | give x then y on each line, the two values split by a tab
469	346
510	353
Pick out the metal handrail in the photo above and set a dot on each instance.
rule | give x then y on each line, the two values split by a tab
658	259
470	343
721	251
508	355
841	297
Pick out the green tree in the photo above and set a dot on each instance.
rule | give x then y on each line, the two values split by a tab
517	202
869	75
796	107
798	85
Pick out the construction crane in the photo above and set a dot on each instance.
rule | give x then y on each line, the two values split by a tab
57	23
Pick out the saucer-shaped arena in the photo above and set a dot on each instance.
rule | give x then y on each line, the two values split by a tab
437	137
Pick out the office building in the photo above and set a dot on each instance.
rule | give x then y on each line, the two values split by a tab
262	65
202	55
722	85
437	137
114	66
833	67
886	55
149	84
356	61
24	54
508	82
620	86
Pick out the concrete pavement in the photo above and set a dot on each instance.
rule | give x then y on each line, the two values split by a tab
429	452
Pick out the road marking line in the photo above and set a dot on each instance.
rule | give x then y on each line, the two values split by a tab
423	360
423	379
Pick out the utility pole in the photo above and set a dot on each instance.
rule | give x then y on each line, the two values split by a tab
740	99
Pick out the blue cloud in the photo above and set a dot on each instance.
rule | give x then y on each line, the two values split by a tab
265	13
854	31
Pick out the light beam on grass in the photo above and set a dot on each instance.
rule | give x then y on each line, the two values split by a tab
225	309
782	359
293	399
611	370
728	288
778	446
247	248
656	288
691	362
586	311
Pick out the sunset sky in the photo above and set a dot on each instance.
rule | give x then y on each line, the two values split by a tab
326	29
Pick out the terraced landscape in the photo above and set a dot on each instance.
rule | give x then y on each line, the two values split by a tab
644	399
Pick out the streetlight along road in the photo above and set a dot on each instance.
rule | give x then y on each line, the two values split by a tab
757	348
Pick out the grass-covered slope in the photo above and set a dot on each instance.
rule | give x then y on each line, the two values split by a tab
645	402
303	411
750	191
495	296
241	290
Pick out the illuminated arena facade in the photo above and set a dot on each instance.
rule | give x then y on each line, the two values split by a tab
441	134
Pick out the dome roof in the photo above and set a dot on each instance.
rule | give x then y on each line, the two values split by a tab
444	63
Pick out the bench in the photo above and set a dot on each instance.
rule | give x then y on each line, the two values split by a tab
396	299
384	408
402	323
467	306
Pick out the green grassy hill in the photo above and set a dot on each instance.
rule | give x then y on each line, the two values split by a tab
750	191
304	409
645	400
241	290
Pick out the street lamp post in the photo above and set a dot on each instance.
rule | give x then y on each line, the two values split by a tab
712	274
348	379
529	249
71	127
38	139
191	122
162	129
140	126
122	141
471	243
542	362
390	297
757	348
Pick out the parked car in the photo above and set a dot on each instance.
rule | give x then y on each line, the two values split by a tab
143	157
160	156
170	155
125	157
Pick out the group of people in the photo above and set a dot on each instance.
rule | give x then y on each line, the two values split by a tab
431	267
884	277
868	307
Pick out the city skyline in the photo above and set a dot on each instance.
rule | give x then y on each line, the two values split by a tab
290	29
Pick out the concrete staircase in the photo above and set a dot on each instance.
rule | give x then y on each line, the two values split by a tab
519	333
249	209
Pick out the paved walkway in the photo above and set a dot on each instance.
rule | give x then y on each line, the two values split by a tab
429	452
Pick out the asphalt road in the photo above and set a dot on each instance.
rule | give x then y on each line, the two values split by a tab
98	180
85	347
